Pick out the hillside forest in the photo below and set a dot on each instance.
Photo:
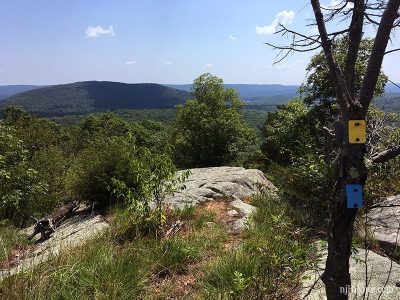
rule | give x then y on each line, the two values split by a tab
124	162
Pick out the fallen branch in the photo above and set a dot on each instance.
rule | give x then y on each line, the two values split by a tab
386	155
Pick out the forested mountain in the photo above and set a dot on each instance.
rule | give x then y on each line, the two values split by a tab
389	102
93	96
96	96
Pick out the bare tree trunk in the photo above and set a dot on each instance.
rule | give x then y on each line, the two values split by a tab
350	169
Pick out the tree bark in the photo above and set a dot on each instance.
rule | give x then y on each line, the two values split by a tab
351	169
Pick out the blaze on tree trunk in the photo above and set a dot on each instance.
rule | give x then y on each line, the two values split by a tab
350	169
353	103
350	165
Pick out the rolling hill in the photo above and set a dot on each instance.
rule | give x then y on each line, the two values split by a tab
94	96
97	96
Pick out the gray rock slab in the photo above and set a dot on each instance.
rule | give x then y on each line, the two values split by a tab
379	270
73	232
384	222
230	184
204	184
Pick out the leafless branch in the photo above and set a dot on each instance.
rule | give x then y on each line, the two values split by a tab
355	35
388	19
386	155
394	83
393	50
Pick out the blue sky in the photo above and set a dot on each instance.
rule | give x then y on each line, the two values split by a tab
162	41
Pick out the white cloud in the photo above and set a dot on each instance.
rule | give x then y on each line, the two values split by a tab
232	37
168	62
284	17
207	66
130	62
94	32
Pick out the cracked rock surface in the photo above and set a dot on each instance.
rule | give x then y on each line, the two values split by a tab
231	184
235	185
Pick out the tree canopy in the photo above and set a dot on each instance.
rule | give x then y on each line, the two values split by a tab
209	130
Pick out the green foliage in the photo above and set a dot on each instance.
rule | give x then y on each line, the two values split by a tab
103	269
269	263
319	87
175	254
295	159
287	133
209	130
20	185
43	164
47	146
384	131
153	179
10	238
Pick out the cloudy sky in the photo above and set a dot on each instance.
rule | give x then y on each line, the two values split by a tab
162	41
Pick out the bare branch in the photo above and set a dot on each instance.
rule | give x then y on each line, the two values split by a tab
378	51
330	132
394	83
336	74
391	51
355	35
386	155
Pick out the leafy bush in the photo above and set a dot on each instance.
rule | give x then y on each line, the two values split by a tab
20	186
295	160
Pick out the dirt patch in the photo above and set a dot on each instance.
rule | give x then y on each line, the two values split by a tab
183	286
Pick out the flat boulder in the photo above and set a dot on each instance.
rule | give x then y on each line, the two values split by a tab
384	222
235	185
383	277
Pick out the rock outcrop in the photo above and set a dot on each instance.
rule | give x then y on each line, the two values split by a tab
384	223
235	185
382	273
71	233
230	184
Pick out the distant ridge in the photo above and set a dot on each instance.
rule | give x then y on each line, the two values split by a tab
252	92
10	90
94	96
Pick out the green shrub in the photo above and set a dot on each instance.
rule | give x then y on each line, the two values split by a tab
269	263
10	238
21	188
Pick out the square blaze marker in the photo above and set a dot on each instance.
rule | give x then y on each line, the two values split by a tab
357	132
354	195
